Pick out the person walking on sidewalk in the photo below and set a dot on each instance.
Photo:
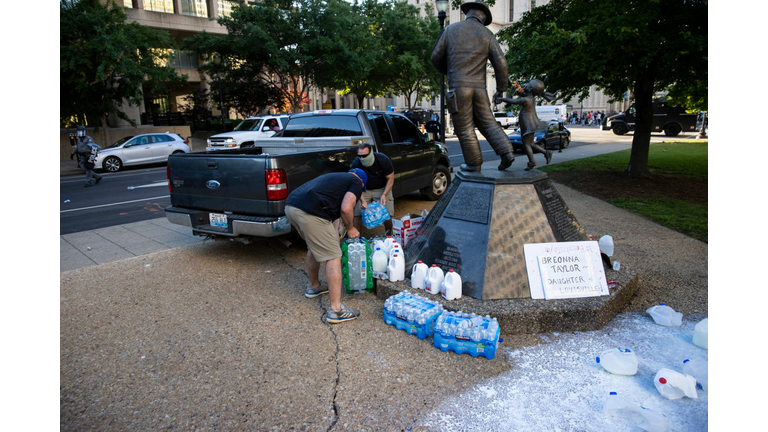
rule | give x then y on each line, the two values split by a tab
317	209
381	177
87	152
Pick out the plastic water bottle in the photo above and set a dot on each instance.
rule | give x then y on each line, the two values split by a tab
357	266
618	361
379	261
396	268
606	244
700	333
434	279
674	385
665	315
419	275
450	288
698	370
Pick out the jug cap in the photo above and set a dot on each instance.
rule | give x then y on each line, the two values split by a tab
450	271
434	265
614	393
663	380
420	262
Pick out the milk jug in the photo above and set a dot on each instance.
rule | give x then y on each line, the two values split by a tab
606	244
451	286
697	369
700	333
419	275
396	268
665	315
396	249
618	361
379	261
387	245
434	279
674	385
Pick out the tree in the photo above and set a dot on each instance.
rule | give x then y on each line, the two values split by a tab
104	61
409	40
643	45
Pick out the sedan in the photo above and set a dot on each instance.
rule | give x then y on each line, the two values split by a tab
555	136
141	149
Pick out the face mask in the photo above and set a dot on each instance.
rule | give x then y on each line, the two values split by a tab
367	161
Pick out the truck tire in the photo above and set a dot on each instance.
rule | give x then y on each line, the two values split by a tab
672	129
619	129
441	178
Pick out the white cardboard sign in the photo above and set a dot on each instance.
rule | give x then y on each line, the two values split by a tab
565	270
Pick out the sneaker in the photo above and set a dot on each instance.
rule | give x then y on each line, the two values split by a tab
316	291
88	185
345	314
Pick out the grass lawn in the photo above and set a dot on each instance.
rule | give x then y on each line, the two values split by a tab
675	196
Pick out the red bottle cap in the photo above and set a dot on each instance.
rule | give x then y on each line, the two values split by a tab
450	271
434	265
420	262
663	380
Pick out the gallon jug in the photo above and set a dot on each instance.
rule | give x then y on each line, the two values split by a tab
396	268
674	385
396	249
451	286
616	406
606	244
665	315
697	369
700	334
419	275
618	361
380	261
387	245
434	279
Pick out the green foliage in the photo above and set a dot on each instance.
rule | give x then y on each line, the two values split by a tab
104	61
688	218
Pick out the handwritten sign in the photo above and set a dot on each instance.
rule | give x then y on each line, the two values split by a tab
565	270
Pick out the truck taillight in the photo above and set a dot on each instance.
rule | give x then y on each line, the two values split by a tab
277	184
168	174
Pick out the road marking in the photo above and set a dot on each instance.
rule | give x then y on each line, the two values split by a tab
163	183
113	204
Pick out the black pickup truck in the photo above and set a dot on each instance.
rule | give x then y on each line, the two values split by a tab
241	193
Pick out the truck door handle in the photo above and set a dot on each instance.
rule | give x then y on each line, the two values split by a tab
403	153
212	165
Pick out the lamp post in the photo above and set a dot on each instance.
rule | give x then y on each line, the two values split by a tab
442	7
217	62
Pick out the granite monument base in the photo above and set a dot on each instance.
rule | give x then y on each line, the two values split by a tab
479	227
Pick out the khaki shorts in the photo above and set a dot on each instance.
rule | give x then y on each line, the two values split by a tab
375	195
321	236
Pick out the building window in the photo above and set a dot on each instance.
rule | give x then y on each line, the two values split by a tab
128	4
196	8
225	8
165	6
511	10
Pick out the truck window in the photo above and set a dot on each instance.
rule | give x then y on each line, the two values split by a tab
406	130
379	123
322	126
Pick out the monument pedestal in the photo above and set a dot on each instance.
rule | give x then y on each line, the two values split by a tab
479	227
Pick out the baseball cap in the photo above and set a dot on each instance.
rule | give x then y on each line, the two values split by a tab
360	173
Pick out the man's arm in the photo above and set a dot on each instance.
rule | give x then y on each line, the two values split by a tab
387	188
348	214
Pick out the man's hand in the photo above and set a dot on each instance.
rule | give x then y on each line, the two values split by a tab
383	200
352	232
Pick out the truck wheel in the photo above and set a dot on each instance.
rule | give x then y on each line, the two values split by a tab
672	129
619	129
441	178
112	164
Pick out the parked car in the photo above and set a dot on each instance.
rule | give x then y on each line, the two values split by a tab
249	130
555	136
141	149
505	119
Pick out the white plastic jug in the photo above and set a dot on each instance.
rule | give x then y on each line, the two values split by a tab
396	249
379	261
387	245
419	275
652	420
606	244
674	385
700	333
396	268
450	288
618	361
665	315
697	369
616	406
434	279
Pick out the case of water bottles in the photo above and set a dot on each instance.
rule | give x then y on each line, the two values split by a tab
467	333
356	273
412	313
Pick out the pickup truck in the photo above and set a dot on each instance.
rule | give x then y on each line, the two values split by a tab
249	130
240	194
505	119
670	119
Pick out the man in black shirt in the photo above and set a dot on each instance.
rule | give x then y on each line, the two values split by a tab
315	209
381	178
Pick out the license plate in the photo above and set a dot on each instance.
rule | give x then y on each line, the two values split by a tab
218	220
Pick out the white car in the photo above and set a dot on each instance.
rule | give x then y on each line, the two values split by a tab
141	149
250	129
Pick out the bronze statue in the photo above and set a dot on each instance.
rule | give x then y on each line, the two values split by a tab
528	120
462	52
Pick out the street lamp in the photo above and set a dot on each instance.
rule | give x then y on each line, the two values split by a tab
442	7
217	62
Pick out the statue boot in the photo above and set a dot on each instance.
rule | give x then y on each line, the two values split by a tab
506	161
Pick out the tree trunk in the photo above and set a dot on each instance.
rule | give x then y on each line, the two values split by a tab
105	126
641	142
360	99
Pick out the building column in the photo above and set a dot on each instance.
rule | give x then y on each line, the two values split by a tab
177	7
213	9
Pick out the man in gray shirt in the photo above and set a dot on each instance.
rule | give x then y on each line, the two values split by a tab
462	52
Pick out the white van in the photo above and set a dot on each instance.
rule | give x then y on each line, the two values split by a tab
549	113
